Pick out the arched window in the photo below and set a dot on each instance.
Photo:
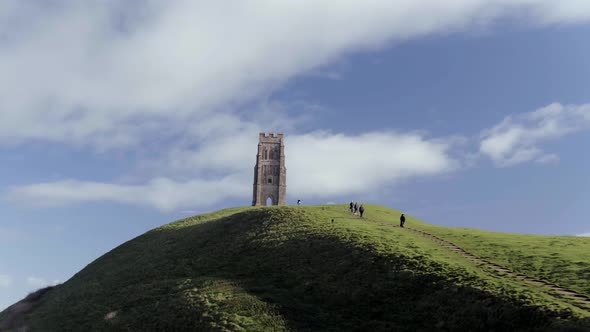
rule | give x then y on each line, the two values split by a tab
265	154
270	180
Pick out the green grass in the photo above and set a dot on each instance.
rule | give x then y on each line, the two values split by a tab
562	260
300	268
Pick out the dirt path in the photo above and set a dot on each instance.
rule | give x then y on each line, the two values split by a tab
579	300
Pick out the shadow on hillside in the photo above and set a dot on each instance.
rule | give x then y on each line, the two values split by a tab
316	280
321	282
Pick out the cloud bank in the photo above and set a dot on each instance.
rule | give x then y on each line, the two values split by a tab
110	73
120	75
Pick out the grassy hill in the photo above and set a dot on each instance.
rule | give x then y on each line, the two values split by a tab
316	268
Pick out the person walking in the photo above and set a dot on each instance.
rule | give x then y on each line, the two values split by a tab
298	202
402	220
361	210
351	207
356	208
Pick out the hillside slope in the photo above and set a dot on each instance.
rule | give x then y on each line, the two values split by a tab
563	260
297	268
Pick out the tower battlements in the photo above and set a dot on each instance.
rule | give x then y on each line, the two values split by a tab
270	136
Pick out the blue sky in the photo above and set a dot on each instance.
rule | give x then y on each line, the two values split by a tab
117	118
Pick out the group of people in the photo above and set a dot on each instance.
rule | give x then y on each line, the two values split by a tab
357	209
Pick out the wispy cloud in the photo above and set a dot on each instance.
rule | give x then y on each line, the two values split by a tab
161	193
584	234
518	139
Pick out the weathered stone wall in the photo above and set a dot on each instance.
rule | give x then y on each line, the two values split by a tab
270	178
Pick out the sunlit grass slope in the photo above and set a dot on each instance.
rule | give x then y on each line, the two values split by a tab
301	268
563	260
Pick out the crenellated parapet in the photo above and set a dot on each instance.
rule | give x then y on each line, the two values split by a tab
270	137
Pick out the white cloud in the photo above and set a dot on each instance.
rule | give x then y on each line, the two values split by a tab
517	139
584	234
5	281
108	74
318	165
111	73
323	164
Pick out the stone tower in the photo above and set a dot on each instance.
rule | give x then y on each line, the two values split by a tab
270	173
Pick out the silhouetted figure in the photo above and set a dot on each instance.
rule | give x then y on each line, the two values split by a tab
351	207
356	208
361	210
298	202
402	220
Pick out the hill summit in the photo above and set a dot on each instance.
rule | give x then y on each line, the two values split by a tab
311	268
